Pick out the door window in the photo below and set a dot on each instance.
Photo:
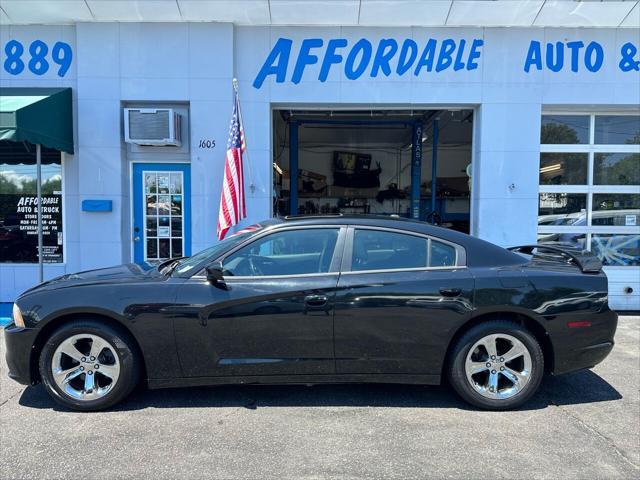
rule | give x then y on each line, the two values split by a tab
290	252
163	215
384	250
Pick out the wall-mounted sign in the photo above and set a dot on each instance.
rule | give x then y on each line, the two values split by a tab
577	56
19	228
37	57
408	57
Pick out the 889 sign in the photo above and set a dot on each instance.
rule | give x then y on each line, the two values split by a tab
36	57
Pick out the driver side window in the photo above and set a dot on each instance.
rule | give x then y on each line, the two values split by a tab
290	252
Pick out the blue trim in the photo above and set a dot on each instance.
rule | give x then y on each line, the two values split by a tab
357	122
97	205
138	203
434	166
416	169
5	313
293	167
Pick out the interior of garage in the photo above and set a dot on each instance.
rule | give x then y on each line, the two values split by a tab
376	162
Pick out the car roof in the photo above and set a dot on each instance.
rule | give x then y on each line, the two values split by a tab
480	253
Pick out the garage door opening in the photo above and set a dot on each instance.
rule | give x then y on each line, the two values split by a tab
415	164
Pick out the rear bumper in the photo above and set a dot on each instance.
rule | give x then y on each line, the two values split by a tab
581	348
19	343
585	357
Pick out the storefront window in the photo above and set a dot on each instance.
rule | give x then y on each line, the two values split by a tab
617	249
565	129
616	209
562	209
590	189
564	168
617	129
18	205
616	169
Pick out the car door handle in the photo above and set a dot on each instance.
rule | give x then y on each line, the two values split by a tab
450	292
316	300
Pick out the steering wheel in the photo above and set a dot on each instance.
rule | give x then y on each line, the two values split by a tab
255	269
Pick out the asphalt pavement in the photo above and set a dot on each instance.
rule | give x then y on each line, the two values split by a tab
581	425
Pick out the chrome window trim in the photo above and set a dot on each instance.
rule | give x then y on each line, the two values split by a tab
334	266
460	262
398	270
268	277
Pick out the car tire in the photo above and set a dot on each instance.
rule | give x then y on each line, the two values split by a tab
472	371
113	373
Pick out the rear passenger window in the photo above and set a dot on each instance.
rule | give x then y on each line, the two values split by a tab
381	250
442	255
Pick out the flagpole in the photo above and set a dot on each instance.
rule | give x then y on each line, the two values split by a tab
252	186
39	217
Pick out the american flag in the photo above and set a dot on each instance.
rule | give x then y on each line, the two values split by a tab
232	208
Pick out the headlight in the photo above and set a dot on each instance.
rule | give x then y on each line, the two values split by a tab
17	316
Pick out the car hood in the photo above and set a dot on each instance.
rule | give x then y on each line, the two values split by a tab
126	273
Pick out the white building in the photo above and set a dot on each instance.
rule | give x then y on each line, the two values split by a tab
530	110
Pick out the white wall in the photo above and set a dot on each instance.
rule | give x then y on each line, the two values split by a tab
190	63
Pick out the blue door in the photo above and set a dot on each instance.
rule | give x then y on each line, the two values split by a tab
161	211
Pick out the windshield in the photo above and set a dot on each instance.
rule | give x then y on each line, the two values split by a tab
212	252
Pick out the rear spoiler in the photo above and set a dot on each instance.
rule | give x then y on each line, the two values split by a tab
585	260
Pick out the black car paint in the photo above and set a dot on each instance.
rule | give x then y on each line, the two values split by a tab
398	322
377	326
255	326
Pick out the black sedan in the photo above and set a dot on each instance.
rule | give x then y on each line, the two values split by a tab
319	300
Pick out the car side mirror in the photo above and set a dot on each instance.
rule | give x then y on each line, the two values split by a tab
215	275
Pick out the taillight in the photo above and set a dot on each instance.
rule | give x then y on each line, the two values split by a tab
580	324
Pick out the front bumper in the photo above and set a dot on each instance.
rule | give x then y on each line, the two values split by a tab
19	343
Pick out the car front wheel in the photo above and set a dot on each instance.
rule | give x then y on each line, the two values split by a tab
87	365
496	365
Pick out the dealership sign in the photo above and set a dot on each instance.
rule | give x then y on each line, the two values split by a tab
407	58
364	58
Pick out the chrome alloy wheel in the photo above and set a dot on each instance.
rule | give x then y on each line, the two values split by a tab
85	367
498	366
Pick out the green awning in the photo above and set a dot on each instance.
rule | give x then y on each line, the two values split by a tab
37	115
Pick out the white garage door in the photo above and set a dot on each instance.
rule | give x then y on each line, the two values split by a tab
590	193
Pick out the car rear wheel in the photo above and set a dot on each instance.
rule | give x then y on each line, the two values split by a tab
87	365
496	365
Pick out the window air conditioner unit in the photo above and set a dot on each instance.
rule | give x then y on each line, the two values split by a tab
152	127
